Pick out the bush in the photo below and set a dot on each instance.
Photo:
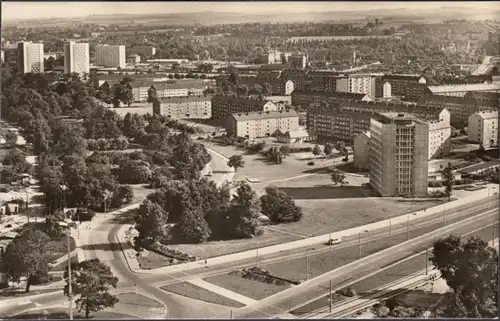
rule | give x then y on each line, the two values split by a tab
300	150
164	250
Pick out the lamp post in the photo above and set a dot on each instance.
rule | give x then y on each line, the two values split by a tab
359	243
27	206
107	194
70	288
307	262
427	261
444	213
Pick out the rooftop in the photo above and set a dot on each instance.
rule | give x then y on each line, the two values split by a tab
402	76
265	115
337	94
174	100
467	87
487	114
388	118
163	86
297	133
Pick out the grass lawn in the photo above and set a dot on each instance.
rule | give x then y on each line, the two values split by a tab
140	192
253	289
8	294
137	299
195	292
153	260
58	313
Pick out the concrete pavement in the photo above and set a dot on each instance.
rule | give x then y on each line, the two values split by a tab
222	291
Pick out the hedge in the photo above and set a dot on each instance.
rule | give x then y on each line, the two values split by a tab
175	254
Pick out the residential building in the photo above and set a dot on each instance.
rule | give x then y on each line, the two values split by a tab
362	84
223	106
414	91
134	59
140	89
298	61
76	57
483	128
398	155
342	84
304	99
440	135
361	151
352	118
387	92
462	90
480	168
299	136
30	57
145	51
258	124
194	107
277	87
299	78
165	90
400	82
110	56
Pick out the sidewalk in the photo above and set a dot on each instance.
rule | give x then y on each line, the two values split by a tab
222	291
402	219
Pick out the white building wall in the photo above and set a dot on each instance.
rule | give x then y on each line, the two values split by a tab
110	56
30	57
76	58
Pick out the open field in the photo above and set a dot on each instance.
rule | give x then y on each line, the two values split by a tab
252	289
195	292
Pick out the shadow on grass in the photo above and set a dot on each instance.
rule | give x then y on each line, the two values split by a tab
411	298
126	217
103	247
324	192
319	170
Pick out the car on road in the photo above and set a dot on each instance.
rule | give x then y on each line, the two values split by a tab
335	241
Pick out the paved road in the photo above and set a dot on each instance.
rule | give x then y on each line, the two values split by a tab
316	288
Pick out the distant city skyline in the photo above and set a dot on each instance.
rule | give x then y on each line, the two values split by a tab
44	10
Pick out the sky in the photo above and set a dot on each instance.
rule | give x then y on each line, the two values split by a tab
43	10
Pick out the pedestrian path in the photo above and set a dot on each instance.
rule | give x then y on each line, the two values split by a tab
222	291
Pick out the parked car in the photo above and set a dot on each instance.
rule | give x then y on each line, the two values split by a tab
335	241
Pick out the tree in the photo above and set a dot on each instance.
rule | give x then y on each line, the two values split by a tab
236	161
448	180
338	177
91	282
150	221
193	227
10	138
328	149
244	213
27	256
316	150
481	151
279	206
471	270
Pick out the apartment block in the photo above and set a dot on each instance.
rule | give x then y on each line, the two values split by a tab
110	56
277	87
193	107
304	99
398	155
76	58
145	51
253	125
440	135
224	106
30	57
401	82
387	90
362	84
461	90
483	128
165	90
140	89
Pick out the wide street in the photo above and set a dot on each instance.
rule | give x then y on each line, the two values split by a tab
314	289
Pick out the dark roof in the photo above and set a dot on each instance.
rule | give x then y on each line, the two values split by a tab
264	115
337	94
273	67
481	166
401	77
138	76
163	86
246	101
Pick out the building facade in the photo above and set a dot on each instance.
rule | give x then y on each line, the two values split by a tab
166	90
398	155
253	125
193	107
387	90
483	128
145	51
440	135
224	106
76	57
110	56
362	84
30	57
361	151
401	82
461	90
304	99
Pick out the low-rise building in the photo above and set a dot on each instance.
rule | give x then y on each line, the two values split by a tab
361	151
304	99
224	106
253	125
462	90
480	168
401	82
483	128
193	107
299	136
165	90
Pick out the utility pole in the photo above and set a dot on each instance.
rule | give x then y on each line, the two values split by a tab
359	245
493	240
231	314
27	207
427	261
70	287
444	213
408	227
330	301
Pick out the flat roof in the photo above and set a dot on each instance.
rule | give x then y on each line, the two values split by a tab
481	166
398	117
264	115
466	87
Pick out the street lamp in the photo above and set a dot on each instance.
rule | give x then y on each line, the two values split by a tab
444	213
70	289
408	226
307	262
359	243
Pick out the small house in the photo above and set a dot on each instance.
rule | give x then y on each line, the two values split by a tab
297	136
14	206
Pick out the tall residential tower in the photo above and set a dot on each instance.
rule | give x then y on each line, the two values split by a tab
76	57
110	56
30	57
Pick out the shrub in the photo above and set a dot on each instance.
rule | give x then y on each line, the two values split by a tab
175	254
